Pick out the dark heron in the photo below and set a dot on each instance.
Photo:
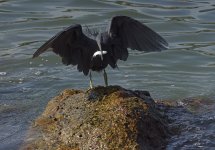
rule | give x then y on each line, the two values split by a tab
107	48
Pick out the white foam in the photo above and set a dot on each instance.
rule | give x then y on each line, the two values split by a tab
3	73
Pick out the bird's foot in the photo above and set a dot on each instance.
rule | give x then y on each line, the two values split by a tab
89	89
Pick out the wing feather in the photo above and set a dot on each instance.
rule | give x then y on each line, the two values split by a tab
73	46
126	32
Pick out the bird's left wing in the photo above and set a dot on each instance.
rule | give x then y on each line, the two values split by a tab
126	32
73	46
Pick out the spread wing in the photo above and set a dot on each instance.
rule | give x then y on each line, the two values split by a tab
73	46
126	32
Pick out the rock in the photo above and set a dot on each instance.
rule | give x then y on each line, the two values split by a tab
102	118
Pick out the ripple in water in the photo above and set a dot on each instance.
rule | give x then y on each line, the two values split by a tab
193	123
3	73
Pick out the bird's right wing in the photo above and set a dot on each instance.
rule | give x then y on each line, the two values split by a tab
127	32
73	46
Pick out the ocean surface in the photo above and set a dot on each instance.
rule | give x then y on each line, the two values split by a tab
186	69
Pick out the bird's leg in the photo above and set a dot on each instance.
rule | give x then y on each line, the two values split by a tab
91	82
105	78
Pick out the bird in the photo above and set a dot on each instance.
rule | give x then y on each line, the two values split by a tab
104	48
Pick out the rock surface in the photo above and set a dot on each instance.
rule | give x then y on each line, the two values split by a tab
101	118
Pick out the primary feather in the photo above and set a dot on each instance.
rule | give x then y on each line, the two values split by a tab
126	32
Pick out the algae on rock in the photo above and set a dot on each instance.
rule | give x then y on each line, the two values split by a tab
102	118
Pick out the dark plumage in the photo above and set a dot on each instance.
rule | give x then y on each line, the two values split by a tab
124	32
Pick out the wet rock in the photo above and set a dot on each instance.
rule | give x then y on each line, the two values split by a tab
101	118
192	122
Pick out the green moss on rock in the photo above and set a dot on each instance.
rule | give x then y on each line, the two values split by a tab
101	118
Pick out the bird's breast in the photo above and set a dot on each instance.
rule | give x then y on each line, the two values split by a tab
98	63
